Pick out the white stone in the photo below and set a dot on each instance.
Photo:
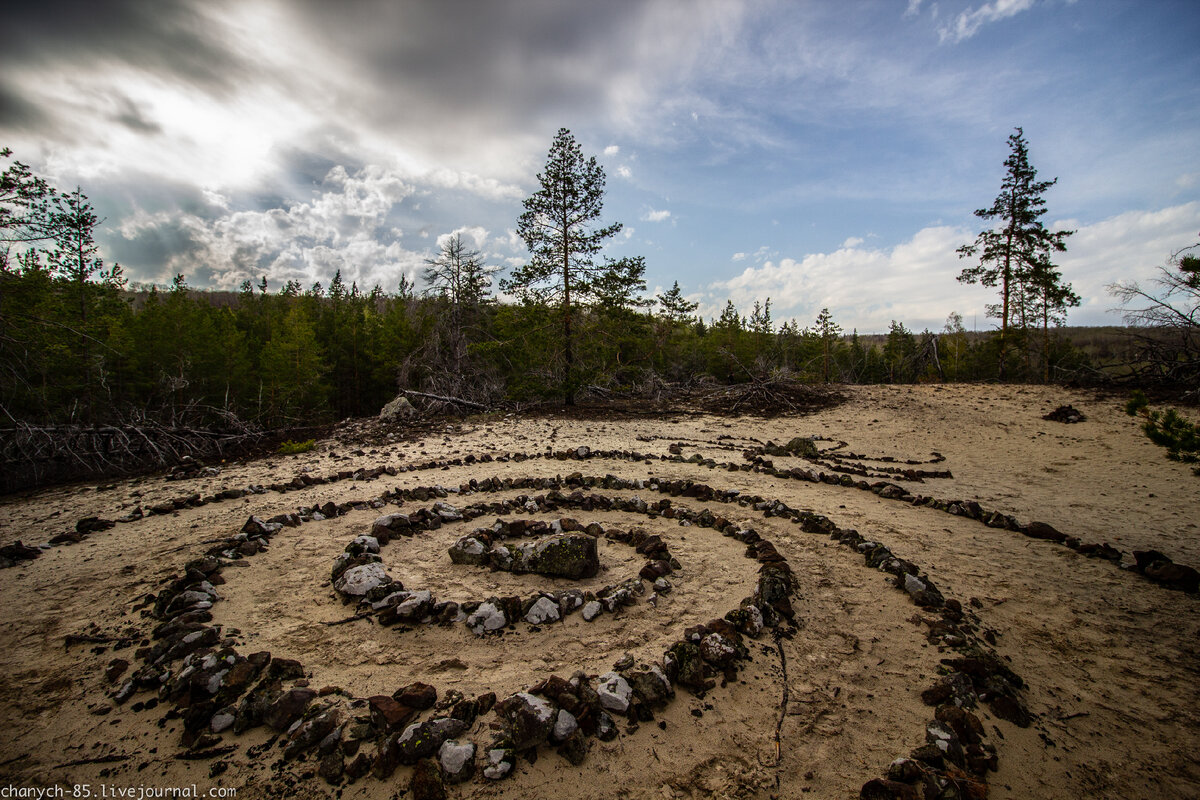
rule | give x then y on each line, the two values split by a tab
456	757
486	618
614	692
543	611
368	543
497	767
357	581
564	726
221	721
912	584
591	610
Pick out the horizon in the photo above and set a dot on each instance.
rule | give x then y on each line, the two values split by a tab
815	156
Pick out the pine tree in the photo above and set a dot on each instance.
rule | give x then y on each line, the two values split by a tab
828	331
558	228
1010	255
674	306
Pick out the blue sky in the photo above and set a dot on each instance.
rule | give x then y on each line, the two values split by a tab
816	153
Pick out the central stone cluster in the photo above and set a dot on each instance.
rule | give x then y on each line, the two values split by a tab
561	549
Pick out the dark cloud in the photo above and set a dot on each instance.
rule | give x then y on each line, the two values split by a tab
484	69
166	37
133	116
18	113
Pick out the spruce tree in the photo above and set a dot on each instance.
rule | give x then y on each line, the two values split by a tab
674	306
1016	253
558	227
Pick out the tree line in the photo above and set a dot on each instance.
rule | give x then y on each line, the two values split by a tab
76	344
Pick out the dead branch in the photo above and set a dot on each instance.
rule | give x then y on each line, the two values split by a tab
441	398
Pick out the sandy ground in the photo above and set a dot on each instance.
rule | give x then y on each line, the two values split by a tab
1111	660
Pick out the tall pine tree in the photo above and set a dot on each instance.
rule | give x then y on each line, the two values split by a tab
558	227
1015	253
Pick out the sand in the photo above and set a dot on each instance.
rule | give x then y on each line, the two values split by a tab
1110	659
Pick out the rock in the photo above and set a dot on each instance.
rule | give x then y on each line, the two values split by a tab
575	748
357	581
606	727
487	618
407	606
417	695
457	760
93	525
565	724
364	544
427	781
748	620
1042	530
288	708
310	733
397	410
499	763
424	739
542	611
591	610
565	555
115	669
684	665
389	714
1009	708
1068	414
718	650
470	550
529	719
650	685
333	766
383	527
945	739
615	692
222	720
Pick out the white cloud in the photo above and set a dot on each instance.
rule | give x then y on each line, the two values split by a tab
853	241
344	227
475	235
612	150
656	216
968	23
625	172
915	282
738	257
914	8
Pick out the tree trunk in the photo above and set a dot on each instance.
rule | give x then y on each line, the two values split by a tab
568	387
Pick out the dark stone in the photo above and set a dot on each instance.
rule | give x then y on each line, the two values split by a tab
423	739
1176	576
684	665
575	747
288	708
115	669
1042	530
427	783
417	695
565	555
1066	414
388	714
18	551
1009	708
310	733
93	524
529	719
332	767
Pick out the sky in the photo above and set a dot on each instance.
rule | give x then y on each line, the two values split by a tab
819	154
